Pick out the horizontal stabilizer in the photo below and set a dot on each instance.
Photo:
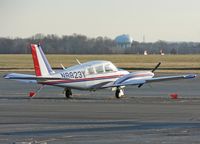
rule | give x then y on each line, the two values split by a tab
21	77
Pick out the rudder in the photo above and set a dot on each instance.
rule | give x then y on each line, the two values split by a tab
41	64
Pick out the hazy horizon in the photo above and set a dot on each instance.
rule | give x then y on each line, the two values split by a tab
172	20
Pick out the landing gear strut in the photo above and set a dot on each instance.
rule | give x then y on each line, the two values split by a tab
119	93
68	93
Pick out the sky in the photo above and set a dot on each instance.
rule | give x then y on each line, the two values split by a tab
169	20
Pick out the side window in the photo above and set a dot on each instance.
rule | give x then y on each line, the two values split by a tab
99	69
108	68
90	70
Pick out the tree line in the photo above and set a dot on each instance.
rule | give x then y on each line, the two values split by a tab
81	44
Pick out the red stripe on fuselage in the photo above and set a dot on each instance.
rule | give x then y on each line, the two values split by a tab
80	80
35	60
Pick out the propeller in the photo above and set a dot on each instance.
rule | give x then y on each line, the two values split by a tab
140	85
156	67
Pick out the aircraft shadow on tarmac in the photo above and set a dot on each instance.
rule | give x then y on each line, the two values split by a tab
135	99
18	98
96	98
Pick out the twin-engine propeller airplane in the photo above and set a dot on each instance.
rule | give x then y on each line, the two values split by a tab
92	75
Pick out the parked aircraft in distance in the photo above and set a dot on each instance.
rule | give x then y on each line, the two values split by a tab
92	75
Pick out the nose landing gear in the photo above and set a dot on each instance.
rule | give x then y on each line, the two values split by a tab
119	93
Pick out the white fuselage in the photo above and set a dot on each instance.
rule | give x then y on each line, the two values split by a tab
87	76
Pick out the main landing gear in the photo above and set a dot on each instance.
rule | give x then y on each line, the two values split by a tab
119	93
68	93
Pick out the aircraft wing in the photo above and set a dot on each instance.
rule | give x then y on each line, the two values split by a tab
141	81
168	78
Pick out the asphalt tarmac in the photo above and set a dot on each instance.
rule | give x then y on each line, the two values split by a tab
146	115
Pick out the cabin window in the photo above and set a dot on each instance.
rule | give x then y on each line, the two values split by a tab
90	70
99	69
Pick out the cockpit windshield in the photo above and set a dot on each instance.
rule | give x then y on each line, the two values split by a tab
109	67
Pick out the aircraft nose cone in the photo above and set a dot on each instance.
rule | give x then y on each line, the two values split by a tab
190	76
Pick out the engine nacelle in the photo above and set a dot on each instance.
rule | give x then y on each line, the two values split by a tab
139	77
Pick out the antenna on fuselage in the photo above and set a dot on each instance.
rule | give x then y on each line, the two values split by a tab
63	67
78	61
155	68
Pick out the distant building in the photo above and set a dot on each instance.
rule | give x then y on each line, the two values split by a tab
124	41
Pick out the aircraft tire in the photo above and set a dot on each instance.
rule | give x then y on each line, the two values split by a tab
119	93
68	93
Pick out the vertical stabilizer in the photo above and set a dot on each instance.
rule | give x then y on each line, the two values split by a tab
41	64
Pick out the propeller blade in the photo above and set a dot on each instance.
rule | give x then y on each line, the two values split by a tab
156	67
140	85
